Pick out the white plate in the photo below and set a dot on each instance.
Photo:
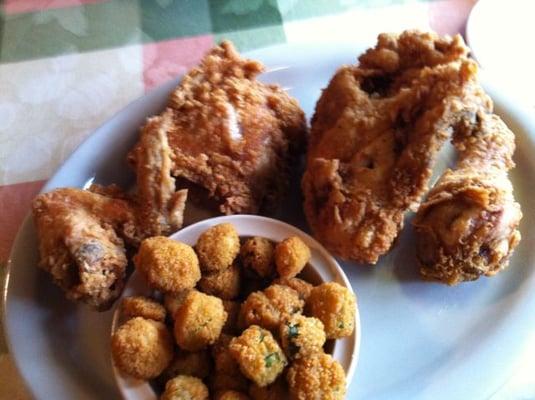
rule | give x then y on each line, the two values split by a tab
420	340
503	52
321	268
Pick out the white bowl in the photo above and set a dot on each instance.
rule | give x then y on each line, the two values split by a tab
322	268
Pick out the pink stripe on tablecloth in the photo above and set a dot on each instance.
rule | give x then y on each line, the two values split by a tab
449	16
22	6
15	201
167	59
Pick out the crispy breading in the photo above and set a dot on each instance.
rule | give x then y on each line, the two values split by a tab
270	307
334	305
217	247
377	129
161	207
317	376
167	265
259	355
291	256
82	239
468	225
185	387
142	348
139	306
230	137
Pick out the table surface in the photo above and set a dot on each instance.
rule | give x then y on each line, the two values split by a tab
66	66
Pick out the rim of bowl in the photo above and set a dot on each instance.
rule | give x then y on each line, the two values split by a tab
246	225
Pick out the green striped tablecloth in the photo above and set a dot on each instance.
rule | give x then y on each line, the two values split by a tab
66	66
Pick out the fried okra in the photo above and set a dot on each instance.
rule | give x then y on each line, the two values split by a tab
217	247
142	348
185	387
258	354
227	374
269	307
167	265
316	376
199	321
334	305
291	256
172	301
257	254
195	364
301	336
303	288
231	395
139	306
224	284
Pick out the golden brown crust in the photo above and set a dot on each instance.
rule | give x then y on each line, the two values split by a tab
199	321
468	225
257	254
167	265
195	364
82	239
258	354
224	284
142	348
139	306
334	305
302	287
230	134
269	307
185	387
301	336
375	134
227	374
316	377
161	207
291	256
217	247
172	301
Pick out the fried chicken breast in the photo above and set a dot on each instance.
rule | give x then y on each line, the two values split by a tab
82	238
375	135
228	136
468	225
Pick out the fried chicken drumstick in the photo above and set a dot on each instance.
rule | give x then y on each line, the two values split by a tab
226	134
375	134
82	238
468	226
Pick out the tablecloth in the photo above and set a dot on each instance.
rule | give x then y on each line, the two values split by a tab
66	66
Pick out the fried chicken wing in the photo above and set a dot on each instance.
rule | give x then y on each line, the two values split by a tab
468	226
229	135
375	134
82	239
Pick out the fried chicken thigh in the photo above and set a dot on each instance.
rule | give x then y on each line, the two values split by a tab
375	135
468	226
227	133
82	238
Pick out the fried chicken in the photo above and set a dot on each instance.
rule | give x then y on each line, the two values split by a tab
375	135
161	207
229	136
82	238
468	226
